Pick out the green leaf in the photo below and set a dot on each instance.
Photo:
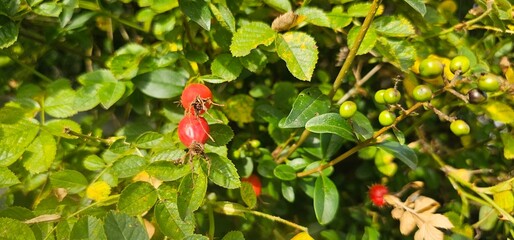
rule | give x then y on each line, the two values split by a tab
309	103
49	9
71	180
250	36
255	61
394	26
14	229
234	235
370	233
169	221
67	11
168	171
418	5
284	172
330	144
56	127
171	155
248	195
137	198
196	237
326	200
161	83
279	5
60	102
15	138
87	98
125	66
223	16
384	163
122	226
339	19
8	32
287	191
7	178
359	9
198	11
326	172
488	217
94	163
18	213
9	7
368	42
402	152
226	67
149	140
223	172
508	145
399	52
361	126
266	167
300	53
88	227
499	111
221	133
399	135
331	123
40	154
314	16
129	166
191	193
239	108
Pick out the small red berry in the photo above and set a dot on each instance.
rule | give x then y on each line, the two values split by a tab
196	98
256	183
193	129
377	193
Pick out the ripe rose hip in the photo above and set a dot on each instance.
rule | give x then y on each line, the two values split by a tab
196	98
377	193
256	183
193	129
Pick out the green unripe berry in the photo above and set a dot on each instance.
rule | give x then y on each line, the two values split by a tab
459	127
430	68
386	118
379	96
422	93
347	109
392	96
459	63
489	83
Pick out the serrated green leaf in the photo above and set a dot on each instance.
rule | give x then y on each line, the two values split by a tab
287	191
110	93
361	126
123	226
149	140
168	171
402	152
56	127
161	83
221	133
14	229
309	103
300	53
71	180
234	235
99	76
169	221
7	178
368	42
314	16
137	198
40	154
248	195
499	111
239	108
94	163
399	52
255	61
339	19
171	155
224	16
88	227
250	36
48	9
125	66
331	123
418	5
129	166
279	5
9	7
394	26
226	67
222	171
359	9
191	193
8	32
15	138
18	213
87	98
284	172
326	200
198	11
60	102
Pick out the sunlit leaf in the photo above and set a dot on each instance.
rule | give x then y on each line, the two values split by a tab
40	153
198	11
137	198
14	229
8	32
123	226
418	5
300	53
7	178
223	172
169	221
309	104
250	36
368	42
88	227
331	123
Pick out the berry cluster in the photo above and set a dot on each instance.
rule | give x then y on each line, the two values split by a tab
193	130
390	96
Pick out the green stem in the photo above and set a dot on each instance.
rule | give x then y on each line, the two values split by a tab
95	8
278	219
31	69
342	72
107	201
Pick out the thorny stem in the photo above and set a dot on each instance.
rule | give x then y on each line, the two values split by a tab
342	73
87	137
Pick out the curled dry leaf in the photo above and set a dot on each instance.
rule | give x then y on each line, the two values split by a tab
286	21
428	230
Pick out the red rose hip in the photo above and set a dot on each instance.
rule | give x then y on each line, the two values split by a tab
193	129
196	98
377	193
256	183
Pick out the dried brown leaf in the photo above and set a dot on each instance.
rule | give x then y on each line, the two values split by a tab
392	200
407	223
286	21
397	213
428	229
424	204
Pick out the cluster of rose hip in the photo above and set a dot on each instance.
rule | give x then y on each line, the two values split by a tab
193	130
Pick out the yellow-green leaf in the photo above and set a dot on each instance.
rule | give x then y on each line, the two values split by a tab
500	112
300	53
250	36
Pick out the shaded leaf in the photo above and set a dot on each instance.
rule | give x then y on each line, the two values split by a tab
8	31
191	193
161	83
331	123
326	200
40	154
248	195
250	36
198	11
300	53
402	152
137	198
71	180
149	140
233	235
226	67
361	126
168	171
88	227
129	166
418	5
284	172
309	103
14	229
122	226
279	5
169	221
222	171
